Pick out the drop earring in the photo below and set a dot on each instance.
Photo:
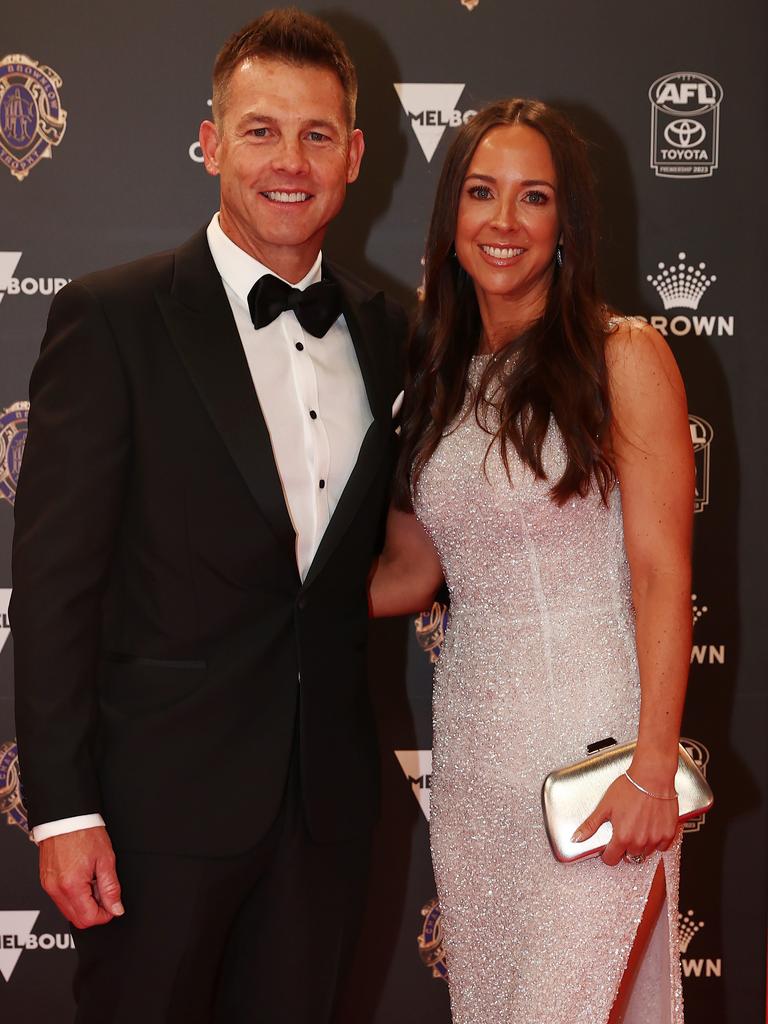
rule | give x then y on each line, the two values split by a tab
559	254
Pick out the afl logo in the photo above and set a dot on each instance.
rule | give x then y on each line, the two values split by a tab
13	434
32	120
701	438
685	125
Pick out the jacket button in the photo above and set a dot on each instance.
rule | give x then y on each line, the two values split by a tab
301	604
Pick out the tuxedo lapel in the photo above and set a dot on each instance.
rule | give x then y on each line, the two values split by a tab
199	320
366	321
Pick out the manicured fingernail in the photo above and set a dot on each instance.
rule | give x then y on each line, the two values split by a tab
118	909
576	837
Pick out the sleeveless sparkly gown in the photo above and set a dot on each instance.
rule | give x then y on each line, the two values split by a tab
539	660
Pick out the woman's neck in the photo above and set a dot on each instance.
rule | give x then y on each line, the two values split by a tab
497	336
505	319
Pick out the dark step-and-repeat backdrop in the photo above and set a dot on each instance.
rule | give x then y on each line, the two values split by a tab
99	110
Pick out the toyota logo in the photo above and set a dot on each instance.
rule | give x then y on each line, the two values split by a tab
684	133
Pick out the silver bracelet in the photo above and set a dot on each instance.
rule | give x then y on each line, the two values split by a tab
647	792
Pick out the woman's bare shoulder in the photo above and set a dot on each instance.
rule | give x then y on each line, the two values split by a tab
636	354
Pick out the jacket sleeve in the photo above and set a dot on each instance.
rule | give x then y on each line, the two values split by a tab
67	516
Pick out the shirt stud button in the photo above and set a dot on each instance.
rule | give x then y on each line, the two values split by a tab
312	414
322	484
299	346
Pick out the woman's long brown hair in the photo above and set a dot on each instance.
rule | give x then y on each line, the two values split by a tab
559	368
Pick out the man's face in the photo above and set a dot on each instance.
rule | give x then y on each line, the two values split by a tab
285	156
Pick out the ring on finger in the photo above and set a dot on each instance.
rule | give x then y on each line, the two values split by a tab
634	858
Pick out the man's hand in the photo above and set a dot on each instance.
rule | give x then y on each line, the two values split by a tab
77	870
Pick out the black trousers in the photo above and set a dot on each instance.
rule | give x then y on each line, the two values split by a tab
262	938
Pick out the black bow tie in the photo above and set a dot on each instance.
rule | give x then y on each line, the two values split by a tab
316	308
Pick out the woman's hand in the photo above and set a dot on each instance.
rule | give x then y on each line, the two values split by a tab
407	574
641	824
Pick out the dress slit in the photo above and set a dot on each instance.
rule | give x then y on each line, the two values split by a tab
655	992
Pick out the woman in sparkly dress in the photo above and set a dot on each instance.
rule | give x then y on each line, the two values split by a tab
547	475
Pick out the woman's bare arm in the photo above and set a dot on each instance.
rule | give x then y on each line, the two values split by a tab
654	462
408	574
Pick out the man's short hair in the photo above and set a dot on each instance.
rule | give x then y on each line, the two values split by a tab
290	35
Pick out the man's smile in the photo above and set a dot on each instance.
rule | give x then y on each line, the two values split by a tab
287	197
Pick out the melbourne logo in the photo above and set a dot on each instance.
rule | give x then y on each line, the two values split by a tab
10	285
11	804
431	109
682	285
13	435
702	434
417	768
8	263
685	125
698	967
32	120
16	936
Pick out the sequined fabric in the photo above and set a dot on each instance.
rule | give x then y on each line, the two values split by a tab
539	660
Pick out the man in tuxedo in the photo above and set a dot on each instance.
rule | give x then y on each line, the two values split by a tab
210	445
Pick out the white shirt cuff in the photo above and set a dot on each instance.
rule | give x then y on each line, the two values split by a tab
62	826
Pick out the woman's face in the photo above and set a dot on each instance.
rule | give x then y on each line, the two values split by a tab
507	226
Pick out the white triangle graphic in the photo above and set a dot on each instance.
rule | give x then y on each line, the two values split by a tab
8	263
5	629
16	924
429	107
417	768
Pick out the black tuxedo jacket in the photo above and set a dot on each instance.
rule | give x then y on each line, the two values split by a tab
165	646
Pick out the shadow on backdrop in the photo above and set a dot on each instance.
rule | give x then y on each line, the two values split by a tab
619	274
369	198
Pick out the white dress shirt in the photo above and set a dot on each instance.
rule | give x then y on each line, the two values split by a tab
315	406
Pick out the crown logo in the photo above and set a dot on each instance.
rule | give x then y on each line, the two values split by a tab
681	285
697	610
689	926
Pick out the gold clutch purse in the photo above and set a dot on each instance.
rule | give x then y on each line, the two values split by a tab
570	794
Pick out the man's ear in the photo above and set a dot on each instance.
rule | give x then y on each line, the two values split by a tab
209	144
355	155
